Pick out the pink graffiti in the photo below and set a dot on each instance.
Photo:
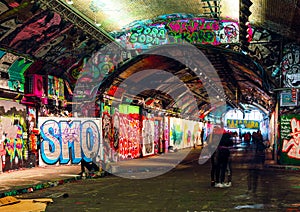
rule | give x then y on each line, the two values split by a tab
292	146
10	148
36	30
166	132
192	26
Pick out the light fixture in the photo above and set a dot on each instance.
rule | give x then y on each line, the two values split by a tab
97	24
70	2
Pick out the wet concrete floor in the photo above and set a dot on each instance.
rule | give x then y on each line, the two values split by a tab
184	188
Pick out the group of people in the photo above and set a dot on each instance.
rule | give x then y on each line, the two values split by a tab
253	138
220	159
222	143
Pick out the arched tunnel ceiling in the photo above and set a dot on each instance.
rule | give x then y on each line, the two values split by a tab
47	42
237	87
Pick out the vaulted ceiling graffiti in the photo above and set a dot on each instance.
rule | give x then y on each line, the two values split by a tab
58	38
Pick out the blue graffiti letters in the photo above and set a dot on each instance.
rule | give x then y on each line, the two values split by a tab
64	139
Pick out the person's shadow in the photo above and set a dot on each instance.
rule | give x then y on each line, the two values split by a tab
254	171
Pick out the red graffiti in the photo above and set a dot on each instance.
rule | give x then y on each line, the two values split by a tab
129	136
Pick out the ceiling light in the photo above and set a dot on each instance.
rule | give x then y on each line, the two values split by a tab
69	2
97	24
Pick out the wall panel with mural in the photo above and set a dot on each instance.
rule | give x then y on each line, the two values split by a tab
13	131
69	140
289	70
121	133
129	132
290	139
183	133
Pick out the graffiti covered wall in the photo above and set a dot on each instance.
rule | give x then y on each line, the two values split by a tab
12	70
129	132
13	134
290	139
148	135
168	30
183	133
290	66
69	140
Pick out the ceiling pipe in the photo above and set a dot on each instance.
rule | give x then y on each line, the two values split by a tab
264	110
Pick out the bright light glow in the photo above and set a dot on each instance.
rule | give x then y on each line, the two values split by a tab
230	9
69	2
112	10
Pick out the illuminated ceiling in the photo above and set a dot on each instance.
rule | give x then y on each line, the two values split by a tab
276	15
116	14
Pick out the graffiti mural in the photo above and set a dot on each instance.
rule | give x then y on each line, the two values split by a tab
290	65
191	133
69	140
16	74
45	35
148	136
12	70
115	129
13	134
178	29
228	32
108	151
184	133
158	135
129	132
148	35
193	31
197	132
176	133
166	132
290	136
93	69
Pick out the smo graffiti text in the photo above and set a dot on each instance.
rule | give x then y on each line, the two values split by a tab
72	139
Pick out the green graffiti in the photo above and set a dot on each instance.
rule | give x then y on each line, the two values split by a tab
147	35
177	134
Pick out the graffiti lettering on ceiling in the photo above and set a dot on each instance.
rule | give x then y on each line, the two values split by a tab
196	31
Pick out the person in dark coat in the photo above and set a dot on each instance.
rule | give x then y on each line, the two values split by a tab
220	157
223	152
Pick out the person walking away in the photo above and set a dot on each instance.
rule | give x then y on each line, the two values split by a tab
213	140
247	138
260	149
223	154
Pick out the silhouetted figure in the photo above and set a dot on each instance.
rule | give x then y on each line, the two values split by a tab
220	157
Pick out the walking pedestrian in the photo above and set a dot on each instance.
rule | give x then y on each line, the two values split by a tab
223	154
260	149
220	157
